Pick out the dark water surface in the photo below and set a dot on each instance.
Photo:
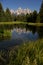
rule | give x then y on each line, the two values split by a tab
18	37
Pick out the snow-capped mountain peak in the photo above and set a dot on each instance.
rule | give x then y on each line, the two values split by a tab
21	11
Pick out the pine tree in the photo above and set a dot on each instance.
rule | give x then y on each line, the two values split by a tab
38	19
2	14
34	16
41	20
8	15
41	13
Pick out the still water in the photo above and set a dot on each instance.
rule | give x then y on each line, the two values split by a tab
18	37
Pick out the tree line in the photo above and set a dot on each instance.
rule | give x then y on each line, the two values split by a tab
5	15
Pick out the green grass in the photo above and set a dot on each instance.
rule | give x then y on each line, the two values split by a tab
5	35
20	22
29	53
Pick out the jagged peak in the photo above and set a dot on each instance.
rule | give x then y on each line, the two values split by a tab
20	11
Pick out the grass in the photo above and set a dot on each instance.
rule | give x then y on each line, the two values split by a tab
20	22
31	53
5	35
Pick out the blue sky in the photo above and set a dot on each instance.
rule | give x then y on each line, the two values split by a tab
15	4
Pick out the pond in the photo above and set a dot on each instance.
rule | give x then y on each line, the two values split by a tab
18	36
25	35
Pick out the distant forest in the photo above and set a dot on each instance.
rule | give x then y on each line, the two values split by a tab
6	16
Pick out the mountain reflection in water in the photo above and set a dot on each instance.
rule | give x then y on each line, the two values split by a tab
18	38
24	35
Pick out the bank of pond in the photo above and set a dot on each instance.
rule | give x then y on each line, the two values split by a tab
28	53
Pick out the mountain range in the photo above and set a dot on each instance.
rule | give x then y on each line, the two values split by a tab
20	11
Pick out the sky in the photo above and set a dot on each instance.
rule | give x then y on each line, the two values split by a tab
15	4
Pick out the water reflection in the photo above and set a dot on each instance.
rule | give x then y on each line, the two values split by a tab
24	35
18	37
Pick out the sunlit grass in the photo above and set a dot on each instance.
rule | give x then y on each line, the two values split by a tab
5	35
20	22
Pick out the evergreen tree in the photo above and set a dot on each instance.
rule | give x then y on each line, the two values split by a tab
34	16
38	19
41	21
8	15
41	13
27	17
2	14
